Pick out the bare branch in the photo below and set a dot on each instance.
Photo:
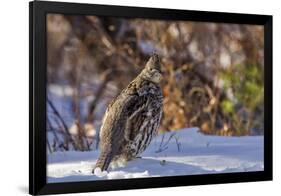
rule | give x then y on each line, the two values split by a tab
63	123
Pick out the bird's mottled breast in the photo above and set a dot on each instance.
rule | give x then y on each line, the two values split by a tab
149	88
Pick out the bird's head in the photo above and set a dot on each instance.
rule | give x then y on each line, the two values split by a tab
152	70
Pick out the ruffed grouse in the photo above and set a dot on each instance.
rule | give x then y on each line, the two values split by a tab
132	118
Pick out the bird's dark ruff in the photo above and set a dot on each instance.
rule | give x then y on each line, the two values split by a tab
132	118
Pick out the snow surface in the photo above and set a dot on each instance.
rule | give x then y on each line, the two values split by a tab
182	152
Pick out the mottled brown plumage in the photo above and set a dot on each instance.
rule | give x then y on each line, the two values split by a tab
132	118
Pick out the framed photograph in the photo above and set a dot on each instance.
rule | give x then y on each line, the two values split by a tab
131	97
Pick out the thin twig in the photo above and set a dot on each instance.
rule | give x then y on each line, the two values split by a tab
51	128
178	144
106	76
165	145
49	146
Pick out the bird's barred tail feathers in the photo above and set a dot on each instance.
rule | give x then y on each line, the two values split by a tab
103	161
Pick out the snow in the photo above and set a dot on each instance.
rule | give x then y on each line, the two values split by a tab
100	173
182	152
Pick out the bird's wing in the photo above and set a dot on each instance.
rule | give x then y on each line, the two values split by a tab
113	128
115	120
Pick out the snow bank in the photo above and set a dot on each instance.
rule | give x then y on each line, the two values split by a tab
183	152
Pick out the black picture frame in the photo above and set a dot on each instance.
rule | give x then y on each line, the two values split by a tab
37	97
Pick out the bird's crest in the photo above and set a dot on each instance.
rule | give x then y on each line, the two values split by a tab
153	62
